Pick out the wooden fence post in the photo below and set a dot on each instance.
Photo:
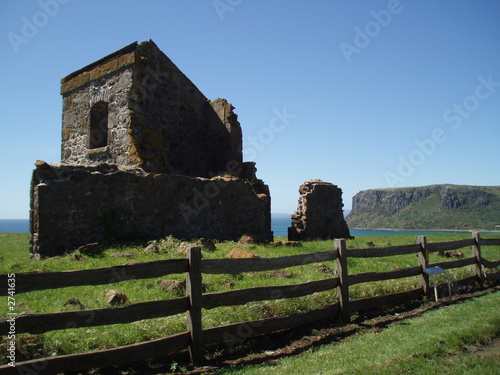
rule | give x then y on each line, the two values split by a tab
343	274
476	253
423	261
193	315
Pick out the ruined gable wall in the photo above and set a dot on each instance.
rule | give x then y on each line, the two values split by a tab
170	113
158	119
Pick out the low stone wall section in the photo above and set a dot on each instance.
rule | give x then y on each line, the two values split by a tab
72	205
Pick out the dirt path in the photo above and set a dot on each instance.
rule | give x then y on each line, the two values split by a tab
270	349
490	350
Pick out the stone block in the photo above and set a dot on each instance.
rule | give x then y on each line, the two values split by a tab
66	133
319	213
116	297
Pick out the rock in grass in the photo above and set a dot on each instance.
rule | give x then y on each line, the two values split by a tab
73	302
116	297
241	254
279	274
325	269
454	254
183	248
90	249
248	239
152	248
176	286
205	244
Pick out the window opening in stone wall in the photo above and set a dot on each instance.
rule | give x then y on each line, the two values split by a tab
99	125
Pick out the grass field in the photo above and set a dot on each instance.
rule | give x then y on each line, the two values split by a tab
15	254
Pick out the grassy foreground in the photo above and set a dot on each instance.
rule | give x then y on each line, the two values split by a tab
15	254
439	342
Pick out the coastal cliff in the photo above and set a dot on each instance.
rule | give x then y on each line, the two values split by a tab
428	207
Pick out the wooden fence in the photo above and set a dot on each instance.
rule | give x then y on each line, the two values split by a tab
194	301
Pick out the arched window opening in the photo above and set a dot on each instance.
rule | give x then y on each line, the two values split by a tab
99	125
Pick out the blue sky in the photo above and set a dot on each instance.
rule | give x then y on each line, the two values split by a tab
363	94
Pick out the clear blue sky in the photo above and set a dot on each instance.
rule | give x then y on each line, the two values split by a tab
363	94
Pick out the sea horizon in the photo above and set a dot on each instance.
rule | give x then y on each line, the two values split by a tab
279	225
14	225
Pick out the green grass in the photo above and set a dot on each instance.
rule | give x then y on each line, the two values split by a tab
14	250
14	246
438	342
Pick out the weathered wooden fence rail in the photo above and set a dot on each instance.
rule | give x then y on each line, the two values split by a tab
196	337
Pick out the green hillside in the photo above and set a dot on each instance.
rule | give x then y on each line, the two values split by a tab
427	207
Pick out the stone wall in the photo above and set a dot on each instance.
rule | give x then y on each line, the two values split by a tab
144	155
319	214
75	205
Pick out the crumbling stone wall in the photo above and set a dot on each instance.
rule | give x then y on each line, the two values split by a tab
76	205
144	155
319	214
226	114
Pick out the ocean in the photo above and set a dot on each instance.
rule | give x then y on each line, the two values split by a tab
14	226
279	226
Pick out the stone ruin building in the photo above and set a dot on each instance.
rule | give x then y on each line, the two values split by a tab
319	215
144	155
